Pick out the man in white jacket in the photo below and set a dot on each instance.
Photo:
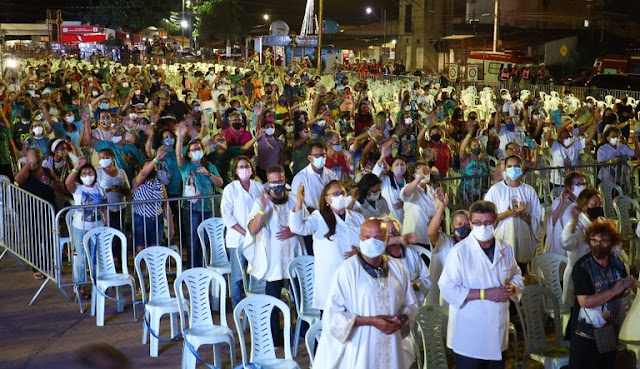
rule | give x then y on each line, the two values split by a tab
479	278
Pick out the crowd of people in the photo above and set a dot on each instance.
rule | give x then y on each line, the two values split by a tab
331	167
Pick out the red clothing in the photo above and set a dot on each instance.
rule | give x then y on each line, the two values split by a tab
363	122
236	139
337	161
443	158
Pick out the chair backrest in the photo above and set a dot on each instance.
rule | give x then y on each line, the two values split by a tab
312	338
257	309
155	258
216	252
250	285
607	189
556	192
548	268
429	322
623	205
97	248
301	275
534	319
199	282
422	252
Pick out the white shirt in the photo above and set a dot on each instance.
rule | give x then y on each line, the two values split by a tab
478	328
235	206
607	152
390	193
553	241
418	210
417	271
313	184
514	230
381	210
328	253
355	293
505	136
439	254
562	155
277	253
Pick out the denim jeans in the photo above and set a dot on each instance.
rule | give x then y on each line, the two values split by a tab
464	362
147	231
191	219
235	279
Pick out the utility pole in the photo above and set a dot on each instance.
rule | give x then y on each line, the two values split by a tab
320	29
496	24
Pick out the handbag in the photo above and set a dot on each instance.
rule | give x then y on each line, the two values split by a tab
606	337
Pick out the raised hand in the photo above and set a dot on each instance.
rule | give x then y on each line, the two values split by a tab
81	162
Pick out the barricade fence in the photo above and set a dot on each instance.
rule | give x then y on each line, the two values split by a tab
27	225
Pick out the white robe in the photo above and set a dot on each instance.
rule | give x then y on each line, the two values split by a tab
418	211
328	253
478	328
417	271
380	211
439	254
268	256
355	293
553	242
234	206
390	193
514	230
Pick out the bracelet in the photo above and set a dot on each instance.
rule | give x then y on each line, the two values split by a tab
74	170
261	212
482	294
469	135
155	160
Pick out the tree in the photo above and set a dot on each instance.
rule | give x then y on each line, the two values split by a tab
133	14
220	20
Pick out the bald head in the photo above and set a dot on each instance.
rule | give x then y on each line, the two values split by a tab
374	228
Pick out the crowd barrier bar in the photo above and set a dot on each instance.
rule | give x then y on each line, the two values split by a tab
28	233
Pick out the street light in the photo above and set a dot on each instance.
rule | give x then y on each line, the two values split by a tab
184	23
369	10
265	17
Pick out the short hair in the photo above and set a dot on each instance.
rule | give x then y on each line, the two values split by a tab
483	207
610	130
318	145
235	113
460	212
518	158
275	169
108	151
571	175
585	196
604	227
237	161
329	135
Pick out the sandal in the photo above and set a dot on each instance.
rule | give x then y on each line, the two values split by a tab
38	276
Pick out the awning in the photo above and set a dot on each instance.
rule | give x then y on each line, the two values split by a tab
457	37
89	37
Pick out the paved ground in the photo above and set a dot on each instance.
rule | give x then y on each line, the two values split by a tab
47	334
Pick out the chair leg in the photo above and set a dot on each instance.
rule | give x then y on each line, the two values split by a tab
174	324
99	309
217	355
119	304
296	337
232	349
145	330
188	360
134	306
154	322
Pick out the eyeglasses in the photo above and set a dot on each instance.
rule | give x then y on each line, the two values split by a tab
337	193
318	155
602	241
275	184
478	223
244	167
579	184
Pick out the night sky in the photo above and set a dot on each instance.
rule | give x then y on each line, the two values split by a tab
350	12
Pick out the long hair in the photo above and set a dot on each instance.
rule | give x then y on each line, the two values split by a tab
325	210
392	177
367	181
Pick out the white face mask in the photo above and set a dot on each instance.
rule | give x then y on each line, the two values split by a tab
613	141
69	118
567	141
116	139
38	130
125	85
482	233
338	202
407	120
94	93
318	162
137	92
105	162
374	196
269	131
244	174
133	115
87	180
577	190
372	247
68	85
321	123
399	170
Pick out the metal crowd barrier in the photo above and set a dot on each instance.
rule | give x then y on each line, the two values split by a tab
27	225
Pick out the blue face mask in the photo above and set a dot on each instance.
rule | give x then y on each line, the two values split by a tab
104	106
511	126
514	173
168	141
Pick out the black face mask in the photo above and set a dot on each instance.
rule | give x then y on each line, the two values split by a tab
237	126
278	190
473	117
436	137
595	213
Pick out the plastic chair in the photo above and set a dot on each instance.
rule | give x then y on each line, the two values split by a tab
200	329
533	328
102	269
423	252
257	309
215	256
549	271
251	286
312	338
623	206
160	301
429	325
301	277
556	192
607	191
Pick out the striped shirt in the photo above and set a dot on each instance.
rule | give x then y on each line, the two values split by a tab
150	190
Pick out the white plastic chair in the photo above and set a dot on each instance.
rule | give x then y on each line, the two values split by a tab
549	271
97	248
533	328
301	277
312	338
200	329
422	252
607	192
215	256
257	309
160	301
429	326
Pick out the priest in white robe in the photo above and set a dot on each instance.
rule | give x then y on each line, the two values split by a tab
369	309
519	211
